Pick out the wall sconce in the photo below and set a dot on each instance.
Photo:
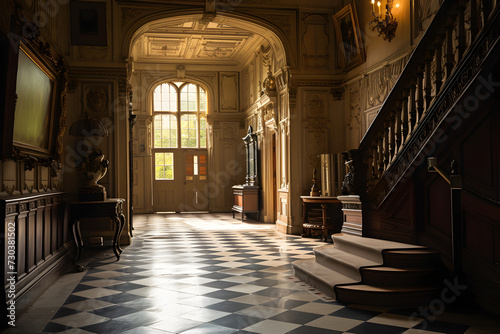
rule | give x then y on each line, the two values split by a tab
385	24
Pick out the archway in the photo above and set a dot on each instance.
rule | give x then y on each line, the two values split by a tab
221	53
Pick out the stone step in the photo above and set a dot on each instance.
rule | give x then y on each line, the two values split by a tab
385	296
342	262
411	258
368	247
390	276
319	276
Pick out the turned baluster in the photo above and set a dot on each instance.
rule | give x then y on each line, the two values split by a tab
487	7
413	112
438	81
392	142
405	115
386	144
428	85
374	170
461	30
450	56
420	92
474	20
381	152
398	125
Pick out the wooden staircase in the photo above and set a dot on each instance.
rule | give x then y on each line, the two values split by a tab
357	270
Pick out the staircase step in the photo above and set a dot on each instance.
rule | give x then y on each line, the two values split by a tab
345	263
320	277
411	258
385	296
367	247
390	276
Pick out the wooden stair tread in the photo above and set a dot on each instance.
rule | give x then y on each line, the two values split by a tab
330	251
387	289
378	244
424	251
328	276
401	270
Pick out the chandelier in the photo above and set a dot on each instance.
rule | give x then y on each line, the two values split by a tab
385	24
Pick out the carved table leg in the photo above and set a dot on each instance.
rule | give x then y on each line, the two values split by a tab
122	225
77	236
115	239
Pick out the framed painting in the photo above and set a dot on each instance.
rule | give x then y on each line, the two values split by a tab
35	90
88	23
348	37
32	94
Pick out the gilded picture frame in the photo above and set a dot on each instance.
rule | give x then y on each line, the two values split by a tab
348	37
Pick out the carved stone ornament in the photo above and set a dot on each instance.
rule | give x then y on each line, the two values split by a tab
337	93
129	14
96	101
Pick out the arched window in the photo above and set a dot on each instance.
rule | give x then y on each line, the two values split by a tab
179	121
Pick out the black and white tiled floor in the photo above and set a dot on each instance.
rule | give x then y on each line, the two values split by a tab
210	273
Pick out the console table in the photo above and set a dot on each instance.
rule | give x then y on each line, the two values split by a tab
329	222
109	208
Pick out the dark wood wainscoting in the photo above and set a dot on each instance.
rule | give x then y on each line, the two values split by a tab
36	225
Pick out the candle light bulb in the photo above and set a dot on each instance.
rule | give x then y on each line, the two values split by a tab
378	4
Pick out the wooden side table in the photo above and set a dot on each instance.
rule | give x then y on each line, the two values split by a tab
110	208
325	225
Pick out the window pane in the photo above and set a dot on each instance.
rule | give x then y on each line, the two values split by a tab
203	132
164	166
189	98
203	100
165	98
165	131
189	131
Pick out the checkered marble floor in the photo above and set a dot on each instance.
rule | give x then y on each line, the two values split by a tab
210	273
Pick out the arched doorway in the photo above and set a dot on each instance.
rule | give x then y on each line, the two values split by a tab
232	58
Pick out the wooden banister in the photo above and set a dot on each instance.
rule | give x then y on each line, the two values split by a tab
429	72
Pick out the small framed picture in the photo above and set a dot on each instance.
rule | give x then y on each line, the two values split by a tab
348	37
88	23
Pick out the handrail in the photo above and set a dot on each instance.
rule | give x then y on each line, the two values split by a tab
417	99
408	73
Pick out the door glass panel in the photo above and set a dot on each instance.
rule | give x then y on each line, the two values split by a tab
164	166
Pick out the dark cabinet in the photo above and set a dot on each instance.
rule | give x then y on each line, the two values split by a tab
246	196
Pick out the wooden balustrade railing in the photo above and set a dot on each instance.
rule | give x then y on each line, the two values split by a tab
456	28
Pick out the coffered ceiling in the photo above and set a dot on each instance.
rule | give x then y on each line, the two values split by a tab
196	40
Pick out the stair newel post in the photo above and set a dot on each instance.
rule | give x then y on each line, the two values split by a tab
413	112
420	92
380	153
450	56
398	125
405	115
428	84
